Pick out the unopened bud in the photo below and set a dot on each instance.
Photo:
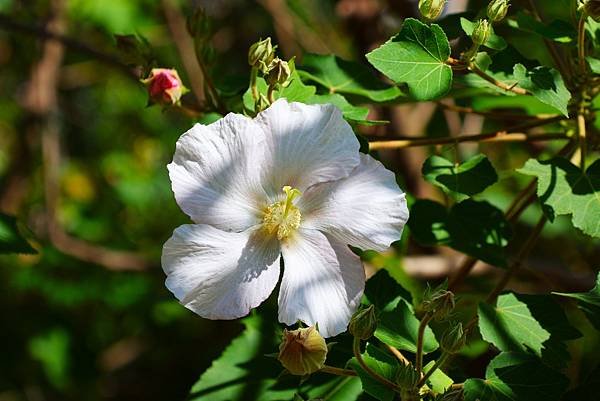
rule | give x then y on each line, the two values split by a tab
497	10
407	376
453	339
481	32
199	24
164	86
280	73
261	55
302	351
439	304
363	323
592	8
431	9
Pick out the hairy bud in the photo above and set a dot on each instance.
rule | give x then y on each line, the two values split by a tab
407	376
261	55
302	351
280	72
363	323
431	9
592	8
164	86
497	10
453	339
439	303
481	32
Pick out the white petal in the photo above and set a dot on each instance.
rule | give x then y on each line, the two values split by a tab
219	274
215	173
322	283
306	144
367	210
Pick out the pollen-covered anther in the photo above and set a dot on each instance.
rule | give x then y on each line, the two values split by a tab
283	217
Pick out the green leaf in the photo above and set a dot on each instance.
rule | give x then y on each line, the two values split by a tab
11	241
382	363
243	370
468	178
351	113
546	84
399	328
397	325
478	229
557	30
588	302
516	377
510	326
346	77
439	382
416	56
565	189
334	388
494	41
594	64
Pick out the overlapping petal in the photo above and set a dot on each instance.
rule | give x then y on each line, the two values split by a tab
219	274
322	283
215	173
367	209
306	144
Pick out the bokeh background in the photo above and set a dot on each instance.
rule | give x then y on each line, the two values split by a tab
82	164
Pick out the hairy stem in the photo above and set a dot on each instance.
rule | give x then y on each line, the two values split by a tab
253	87
581	42
366	368
420	336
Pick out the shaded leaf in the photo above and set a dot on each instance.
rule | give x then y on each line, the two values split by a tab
346	77
565	189
382	363
546	84
513	376
11	241
478	229
416	56
468	178
557	30
588	302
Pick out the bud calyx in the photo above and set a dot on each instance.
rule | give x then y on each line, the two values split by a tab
497	10
363	323
431	9
302	351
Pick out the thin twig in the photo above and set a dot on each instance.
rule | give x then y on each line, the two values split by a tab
398	354
420	336
581	131
581	42
337	371
494	81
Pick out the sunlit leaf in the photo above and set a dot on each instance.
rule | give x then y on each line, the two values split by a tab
546	84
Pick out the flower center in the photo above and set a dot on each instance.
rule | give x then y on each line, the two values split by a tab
283	217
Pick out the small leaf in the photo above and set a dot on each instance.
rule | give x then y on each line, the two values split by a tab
546	84
588	302
565	189
494	42
468	178
346	77
382	363
416	56
478	229
516	377
594	64
438	381
11	241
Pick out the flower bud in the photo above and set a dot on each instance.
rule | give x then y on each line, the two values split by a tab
199	24
431	9
302	351
407	376
481	32
363	323
453	339
592	8
439	303
280	73
164	86
261	55
497	10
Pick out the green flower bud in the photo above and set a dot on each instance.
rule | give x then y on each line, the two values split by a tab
363	323
431	9
280	72
302	351
482	32
407	376
453	339
261	55
592	8
439	303
497	10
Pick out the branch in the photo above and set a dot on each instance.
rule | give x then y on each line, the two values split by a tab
494	81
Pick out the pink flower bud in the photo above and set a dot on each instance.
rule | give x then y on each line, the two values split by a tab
164	86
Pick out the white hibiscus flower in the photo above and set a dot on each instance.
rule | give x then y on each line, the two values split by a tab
289	183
